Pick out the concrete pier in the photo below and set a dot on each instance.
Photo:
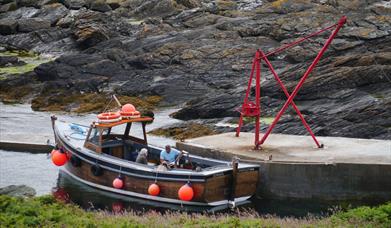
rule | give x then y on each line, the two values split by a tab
38	143
292	166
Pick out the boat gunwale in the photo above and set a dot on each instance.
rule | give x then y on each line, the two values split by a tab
144	168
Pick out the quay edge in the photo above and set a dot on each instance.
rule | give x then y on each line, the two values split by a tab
309	174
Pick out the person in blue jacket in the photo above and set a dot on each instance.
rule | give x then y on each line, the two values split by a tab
170	156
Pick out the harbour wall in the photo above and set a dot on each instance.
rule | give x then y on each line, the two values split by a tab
312	180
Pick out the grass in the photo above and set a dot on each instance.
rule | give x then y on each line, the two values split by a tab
365	216
45	211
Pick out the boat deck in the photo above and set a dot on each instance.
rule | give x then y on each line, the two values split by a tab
292	148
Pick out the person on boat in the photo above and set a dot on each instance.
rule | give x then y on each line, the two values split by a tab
142	156
170	156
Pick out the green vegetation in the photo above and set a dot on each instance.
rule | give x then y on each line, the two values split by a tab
45	211
184	132
265	120
18	69
19	53
31	59
134	21
365	216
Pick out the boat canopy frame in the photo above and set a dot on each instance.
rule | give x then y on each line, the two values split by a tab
103	133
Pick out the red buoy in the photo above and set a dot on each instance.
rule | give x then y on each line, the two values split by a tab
117	207
128	108
59	158
154	189
61	195
186	192
118	183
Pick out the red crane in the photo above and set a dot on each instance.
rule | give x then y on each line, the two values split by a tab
253	109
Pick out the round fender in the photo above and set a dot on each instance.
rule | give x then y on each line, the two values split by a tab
75	161
96	170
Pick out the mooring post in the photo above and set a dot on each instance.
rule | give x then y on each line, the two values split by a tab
235	165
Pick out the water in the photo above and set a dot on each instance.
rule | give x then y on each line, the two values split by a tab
33	170
20	123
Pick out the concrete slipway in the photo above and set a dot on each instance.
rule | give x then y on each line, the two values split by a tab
292	166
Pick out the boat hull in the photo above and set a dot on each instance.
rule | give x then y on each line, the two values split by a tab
211	188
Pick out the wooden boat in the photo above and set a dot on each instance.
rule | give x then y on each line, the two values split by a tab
70	190
97	156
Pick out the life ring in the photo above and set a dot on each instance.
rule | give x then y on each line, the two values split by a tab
75	161
96	170
130	115
110	121
109	117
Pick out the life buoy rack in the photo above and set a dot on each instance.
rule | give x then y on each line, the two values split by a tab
109	117
130	115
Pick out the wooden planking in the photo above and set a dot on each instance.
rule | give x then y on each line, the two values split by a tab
117	152
218	188
168	189
246	183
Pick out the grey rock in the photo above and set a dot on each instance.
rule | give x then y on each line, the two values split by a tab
5	1
47	2
8	7
90	34
32	24
190	3
23	12
27	3
154	8
8	26
100	6
53	12
199	57
75	4
217	106
18	191
10	61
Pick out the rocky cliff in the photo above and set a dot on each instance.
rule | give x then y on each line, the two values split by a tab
198	53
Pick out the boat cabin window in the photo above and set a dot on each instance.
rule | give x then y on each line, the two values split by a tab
94	136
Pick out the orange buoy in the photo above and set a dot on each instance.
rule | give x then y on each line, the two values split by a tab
127	108
154	189
59	158
128	111
186	192
118	183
